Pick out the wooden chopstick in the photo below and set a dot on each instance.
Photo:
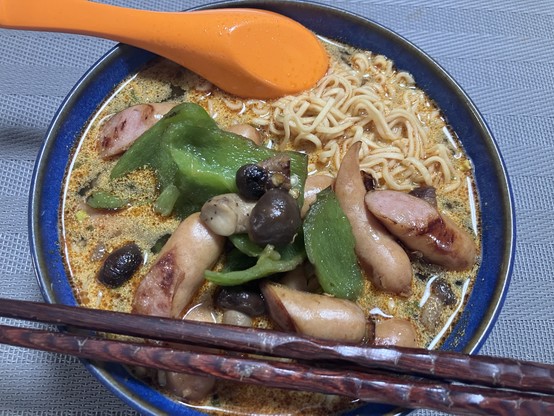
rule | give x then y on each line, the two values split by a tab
489	371
368	387
349	380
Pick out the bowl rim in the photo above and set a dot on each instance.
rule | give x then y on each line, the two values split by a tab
44	197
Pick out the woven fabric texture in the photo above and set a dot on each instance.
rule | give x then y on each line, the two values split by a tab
500	51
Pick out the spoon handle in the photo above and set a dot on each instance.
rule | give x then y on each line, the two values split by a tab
184	37
84	17
248	52
205	32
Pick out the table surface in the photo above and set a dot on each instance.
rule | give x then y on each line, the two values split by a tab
500	51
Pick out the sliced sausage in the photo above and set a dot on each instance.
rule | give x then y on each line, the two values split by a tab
179	269
384	261
120	131
313	314
421	227
314	185
247	131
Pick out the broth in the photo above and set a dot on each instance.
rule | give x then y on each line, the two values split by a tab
88	234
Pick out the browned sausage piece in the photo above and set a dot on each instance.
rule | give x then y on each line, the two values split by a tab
179	269
422	228
170	285
190	387
121	130
384	261
313	314
246	130
314	185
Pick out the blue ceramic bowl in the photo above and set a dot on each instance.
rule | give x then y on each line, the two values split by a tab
492	182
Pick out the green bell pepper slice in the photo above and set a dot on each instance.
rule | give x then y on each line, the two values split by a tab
330	247
189	152
104	200
270	261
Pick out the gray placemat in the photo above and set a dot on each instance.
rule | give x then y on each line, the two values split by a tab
501	53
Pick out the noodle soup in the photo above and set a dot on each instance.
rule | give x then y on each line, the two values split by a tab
406	144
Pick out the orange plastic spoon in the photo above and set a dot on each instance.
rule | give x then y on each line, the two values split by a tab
246	52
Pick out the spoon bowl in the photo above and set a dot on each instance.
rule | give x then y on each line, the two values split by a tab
246	52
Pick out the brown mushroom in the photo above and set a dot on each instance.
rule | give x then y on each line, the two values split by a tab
186	386
227	214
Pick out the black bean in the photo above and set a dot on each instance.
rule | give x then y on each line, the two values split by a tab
241	298
120	265
251	181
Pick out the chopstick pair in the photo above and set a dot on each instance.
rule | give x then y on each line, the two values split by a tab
411	378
